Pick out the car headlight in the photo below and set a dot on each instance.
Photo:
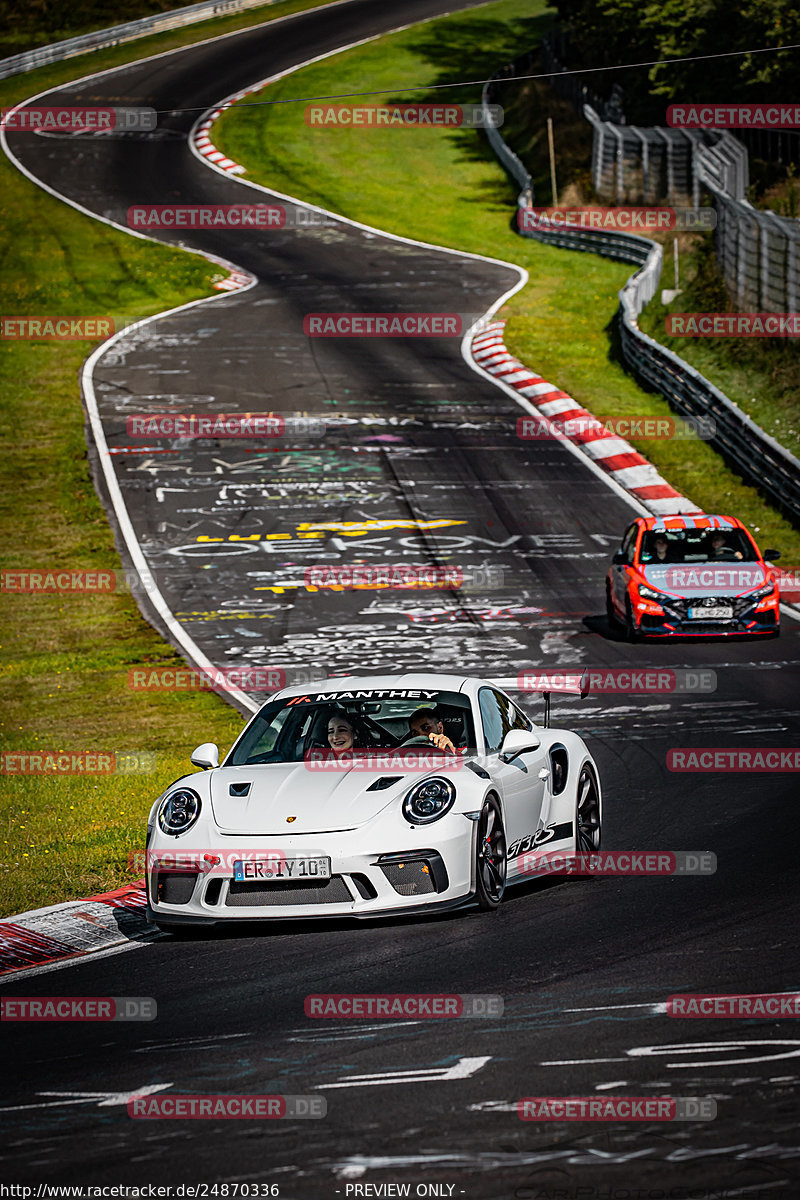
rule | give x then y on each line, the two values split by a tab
761	592
649	594
428	800
178	811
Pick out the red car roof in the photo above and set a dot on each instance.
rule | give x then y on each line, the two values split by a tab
693	521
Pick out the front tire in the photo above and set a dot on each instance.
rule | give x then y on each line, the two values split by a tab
631	632
611	612
490	857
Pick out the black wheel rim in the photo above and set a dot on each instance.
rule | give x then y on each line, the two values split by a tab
587	813
492	853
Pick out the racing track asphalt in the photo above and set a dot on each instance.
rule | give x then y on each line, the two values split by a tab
231	1003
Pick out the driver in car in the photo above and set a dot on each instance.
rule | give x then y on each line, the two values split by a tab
720	550
426	723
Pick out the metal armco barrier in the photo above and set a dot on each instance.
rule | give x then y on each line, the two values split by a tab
29	60
761	460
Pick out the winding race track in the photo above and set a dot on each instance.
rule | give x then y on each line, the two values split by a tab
420	464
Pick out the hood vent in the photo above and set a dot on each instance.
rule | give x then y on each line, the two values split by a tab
239	789
385	781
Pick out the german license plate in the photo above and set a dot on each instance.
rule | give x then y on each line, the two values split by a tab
710	614
286	868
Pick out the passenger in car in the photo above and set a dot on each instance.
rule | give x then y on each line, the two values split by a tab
343	733
662	550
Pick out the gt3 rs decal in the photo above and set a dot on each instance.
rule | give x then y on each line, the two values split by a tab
550	833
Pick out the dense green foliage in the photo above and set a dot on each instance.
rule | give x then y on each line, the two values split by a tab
607	33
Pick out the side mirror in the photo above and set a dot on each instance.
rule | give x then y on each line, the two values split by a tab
205	756
772	554
516	742
619	558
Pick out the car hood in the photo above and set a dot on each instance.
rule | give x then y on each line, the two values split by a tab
318	801
705	579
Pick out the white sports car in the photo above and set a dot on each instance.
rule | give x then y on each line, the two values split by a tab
366	796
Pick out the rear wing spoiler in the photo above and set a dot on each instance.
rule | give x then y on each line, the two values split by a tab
560	683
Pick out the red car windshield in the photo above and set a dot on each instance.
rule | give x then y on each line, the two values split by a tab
696	546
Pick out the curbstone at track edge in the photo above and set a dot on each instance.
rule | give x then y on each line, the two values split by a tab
611	453
73	930
203	144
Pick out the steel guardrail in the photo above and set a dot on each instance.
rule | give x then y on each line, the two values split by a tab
116	35
760	459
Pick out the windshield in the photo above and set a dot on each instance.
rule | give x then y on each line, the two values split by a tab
697	545
290	730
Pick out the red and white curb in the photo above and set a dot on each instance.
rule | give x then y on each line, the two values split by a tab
206	147
47	936
202	141
611	453
236	280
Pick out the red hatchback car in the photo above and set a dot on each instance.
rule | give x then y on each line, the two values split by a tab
692	576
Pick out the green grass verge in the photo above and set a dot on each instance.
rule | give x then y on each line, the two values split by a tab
445	187
64	659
